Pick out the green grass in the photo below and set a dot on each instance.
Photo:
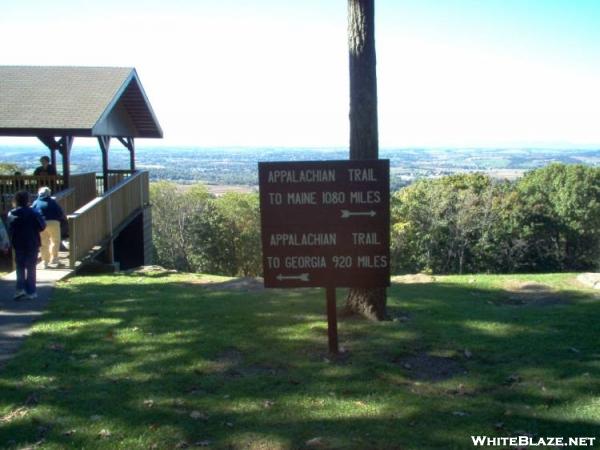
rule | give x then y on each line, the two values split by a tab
159	361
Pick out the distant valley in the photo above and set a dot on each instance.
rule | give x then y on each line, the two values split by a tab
226	169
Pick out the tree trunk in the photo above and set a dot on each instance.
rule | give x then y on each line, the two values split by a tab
364	141
369	303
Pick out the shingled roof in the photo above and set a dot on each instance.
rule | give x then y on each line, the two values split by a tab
74	101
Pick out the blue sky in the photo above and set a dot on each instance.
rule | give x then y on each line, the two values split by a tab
451	73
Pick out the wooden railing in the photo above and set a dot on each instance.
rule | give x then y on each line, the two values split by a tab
67	199
114	178
85	188
94	224
11	184
5	203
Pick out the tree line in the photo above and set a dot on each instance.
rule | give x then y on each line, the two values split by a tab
546	221
194	231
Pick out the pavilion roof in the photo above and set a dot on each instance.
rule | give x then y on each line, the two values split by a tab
74	101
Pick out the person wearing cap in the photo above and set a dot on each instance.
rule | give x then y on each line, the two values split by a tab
24	227
50	237
45	169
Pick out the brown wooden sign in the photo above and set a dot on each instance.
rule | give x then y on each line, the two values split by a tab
325	223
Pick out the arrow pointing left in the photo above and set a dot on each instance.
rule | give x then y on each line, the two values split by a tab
301	277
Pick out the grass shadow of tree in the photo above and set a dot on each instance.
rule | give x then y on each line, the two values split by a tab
145	353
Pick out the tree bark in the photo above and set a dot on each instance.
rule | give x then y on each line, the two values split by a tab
364	139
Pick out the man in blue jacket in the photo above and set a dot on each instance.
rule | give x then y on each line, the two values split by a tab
53	215
24	227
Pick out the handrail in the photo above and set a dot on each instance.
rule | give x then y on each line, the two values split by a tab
124	171
67	200
94	223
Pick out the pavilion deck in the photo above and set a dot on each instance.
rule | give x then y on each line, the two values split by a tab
96	211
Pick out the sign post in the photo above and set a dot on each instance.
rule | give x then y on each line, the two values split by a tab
325	224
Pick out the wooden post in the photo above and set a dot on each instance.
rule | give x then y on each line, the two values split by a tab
104	142
64	147
110	247
332	320
131	154
72	241
53	157
110	252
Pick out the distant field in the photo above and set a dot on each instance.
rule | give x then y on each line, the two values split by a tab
172	361
220	189
238	166
505	174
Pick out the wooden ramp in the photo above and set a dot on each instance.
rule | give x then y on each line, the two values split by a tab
94	227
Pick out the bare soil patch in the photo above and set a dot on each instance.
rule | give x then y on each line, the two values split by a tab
533	293
417	278
230	363
426	367
247	284
589	279
151	269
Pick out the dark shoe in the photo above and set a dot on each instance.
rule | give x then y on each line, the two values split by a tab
20	294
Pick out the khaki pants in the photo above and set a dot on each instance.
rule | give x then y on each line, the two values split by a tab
50	241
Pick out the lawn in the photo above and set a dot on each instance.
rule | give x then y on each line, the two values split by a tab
165	361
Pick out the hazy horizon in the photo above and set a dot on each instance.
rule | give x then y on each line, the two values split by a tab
148	144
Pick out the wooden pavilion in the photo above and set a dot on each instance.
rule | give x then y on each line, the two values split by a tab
58	104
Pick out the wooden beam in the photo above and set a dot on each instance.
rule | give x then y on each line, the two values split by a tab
104	142
129	143
124	141
49	141
52	145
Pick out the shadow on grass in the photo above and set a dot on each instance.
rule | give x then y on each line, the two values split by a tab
166	363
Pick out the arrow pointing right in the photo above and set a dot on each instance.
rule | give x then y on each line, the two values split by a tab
347	214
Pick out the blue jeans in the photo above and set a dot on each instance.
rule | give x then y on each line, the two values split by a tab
26	262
